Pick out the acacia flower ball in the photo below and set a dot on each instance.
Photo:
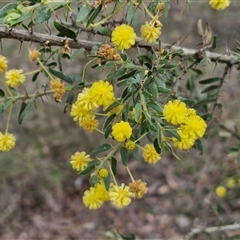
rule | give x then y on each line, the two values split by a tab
219	4
7	141
130	145
120	195
175	112
79	161
121	131
123	37
221	191
15	77
186	141
92	199
103	173
3	63
138	188
33	55
150	155
150	33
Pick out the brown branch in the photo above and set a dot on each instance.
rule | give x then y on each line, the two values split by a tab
52	40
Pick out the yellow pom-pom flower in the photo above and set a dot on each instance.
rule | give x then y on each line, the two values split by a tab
80	160
15	77
87	100
89	123
221	191
33	55
219	4
231	183
138	188
150	33
123	37
120	196
7	141
3	63
194	126
102	93
92	198
186	141
103	173
150	155
130	145
175	112
121	131
59	89
79	113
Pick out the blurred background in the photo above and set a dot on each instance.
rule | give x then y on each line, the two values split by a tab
40	195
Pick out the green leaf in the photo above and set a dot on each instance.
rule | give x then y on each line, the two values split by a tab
102	148
155	106
153	89
137	114
214	42
13	91
104	31
157	146
2	93
108	120
114	166
108	130
198	146
84	10
143	59
174	133
210	88
94	180
163	90
25	109
107	182
210	80
21	19
64	30
35	76
41	17
70	98
8	103
66	77
77	53
116	74
135	153
88	169
94	14
7	8
124	155
131	10
171	151
127	75
112	106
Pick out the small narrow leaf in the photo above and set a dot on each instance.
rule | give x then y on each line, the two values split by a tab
114	165
66	77
83	12
88	169
25	109
108	120
210	88
2	93
124	155
94	14
70	98
137	114
210	80
102	148
64	30
77	53
127	75
131	10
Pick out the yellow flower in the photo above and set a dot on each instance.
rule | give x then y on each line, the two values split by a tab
102	92
15	77
120	195
221	191
89	123
130	145
92	199
219	4
123	37
59	89
87	100
33	55
138	188
194	126
3	63
191	112
79	161
101	191
121	131
79	113
7	141
150	33
186	141
103	172
175	112
150	155
231	183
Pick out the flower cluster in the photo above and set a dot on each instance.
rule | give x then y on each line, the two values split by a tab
59	89
149	32
7	141
191	126
108	52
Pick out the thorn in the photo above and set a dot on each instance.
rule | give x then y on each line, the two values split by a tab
20	46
